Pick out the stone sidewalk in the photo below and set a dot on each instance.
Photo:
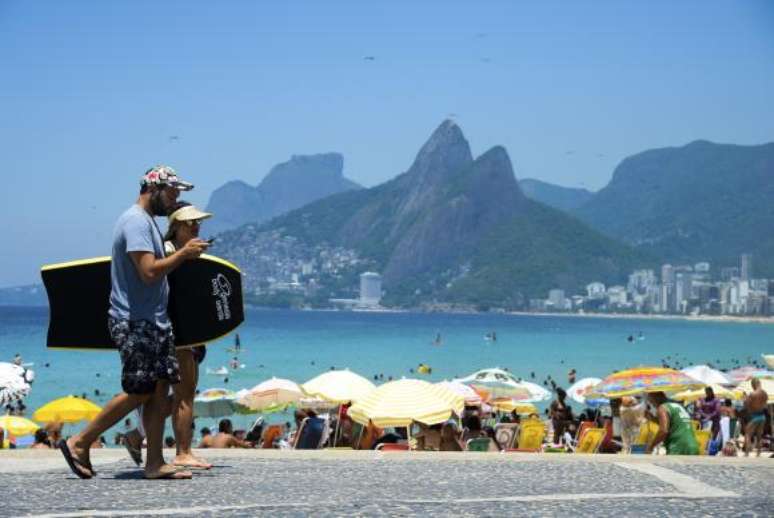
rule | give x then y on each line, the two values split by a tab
335	482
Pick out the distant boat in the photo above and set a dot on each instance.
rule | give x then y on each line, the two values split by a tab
222	371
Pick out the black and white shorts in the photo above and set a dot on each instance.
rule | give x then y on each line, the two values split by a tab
147	354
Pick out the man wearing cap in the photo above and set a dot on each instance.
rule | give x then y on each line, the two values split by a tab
139	324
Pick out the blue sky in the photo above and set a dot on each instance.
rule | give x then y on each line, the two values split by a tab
92	91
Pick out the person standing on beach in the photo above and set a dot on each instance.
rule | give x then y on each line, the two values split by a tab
755	405
674	427
139	325
184	225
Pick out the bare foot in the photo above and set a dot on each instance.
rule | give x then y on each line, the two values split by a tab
190	461
167	471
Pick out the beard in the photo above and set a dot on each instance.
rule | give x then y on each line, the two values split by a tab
157	205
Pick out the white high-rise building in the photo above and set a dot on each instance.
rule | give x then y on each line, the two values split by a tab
370	288
746	267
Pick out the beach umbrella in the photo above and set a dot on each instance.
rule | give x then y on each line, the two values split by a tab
769	359
509	405
707	375
643	379
721	392
271	393
741	374
577	392
467	392
15	382
18	426
69	409
401	402
215	402
766	384
340	386
499	383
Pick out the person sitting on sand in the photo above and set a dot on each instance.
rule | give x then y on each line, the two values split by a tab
206	440
226	438
755	405
674	427
41	440
450	440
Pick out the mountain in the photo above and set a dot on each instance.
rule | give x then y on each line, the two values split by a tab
452	229
702	201
562	198
289	185
31	295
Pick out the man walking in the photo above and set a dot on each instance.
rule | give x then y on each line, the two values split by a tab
139	325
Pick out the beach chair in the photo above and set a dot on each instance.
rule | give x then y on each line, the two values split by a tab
648	432
591	440
312	433
506	435
584	425
702	438
480	444
531	435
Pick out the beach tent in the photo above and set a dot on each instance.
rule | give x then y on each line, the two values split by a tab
18	426
271	394
401	402
498	383
338	386
640	380
707	375
69	409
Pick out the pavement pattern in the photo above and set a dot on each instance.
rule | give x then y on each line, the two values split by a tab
334	483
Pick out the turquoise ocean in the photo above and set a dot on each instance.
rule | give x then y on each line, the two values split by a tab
301	344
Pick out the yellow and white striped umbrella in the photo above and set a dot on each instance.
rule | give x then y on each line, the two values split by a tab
338	387
401	402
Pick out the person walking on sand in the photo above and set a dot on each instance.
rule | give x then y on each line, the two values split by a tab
184	225
755	405
674	427
139	324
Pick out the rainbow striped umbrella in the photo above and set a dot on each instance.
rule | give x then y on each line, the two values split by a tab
642	379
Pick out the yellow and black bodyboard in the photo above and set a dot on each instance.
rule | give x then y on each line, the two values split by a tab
205	302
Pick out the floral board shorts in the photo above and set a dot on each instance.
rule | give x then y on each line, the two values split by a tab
147	354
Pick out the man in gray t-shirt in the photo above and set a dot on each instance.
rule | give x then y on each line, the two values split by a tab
139	324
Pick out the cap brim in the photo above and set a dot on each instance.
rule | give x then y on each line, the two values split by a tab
182	186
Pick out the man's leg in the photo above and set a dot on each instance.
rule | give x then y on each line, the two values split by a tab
115	410
182	410
153	421
748	437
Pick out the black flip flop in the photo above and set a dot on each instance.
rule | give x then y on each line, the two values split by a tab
134	453
74	463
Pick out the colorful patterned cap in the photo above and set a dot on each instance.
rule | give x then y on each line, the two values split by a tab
164	175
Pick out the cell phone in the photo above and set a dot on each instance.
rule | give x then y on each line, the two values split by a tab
210	240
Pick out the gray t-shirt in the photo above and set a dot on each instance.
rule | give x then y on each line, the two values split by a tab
130	298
